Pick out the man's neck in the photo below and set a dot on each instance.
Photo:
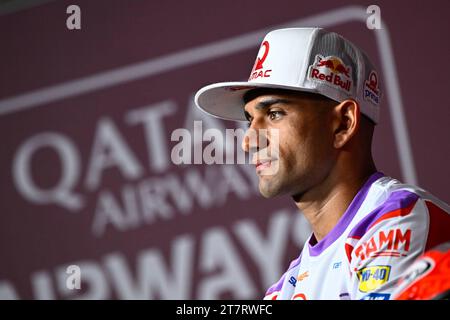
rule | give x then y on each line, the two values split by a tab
325	204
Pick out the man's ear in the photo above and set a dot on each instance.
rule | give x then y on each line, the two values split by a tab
346	122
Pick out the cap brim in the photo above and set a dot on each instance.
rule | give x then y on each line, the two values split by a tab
225	99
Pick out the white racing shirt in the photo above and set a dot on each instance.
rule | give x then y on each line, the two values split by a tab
385	228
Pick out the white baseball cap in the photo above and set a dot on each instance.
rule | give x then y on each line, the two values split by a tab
301	59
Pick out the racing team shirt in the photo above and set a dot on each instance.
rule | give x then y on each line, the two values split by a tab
385	228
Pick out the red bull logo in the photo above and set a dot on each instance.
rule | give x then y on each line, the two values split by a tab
371	90
332	71
258	68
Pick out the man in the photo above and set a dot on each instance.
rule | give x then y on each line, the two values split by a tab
321	95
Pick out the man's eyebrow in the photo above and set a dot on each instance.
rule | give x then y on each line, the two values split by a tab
267	103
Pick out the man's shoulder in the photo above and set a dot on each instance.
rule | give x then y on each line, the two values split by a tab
397	227
391	202
393	194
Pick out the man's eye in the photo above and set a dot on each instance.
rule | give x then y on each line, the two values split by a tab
275	115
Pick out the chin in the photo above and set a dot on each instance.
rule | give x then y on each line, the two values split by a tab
268	192
266	195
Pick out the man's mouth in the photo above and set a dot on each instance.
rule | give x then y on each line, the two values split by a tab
263	164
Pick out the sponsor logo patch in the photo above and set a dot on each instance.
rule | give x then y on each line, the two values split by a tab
302	276
258	70
371	90
331	71
386	243
371	278
292	281
337	265
376	296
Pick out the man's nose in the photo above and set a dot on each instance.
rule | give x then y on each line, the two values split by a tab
255	139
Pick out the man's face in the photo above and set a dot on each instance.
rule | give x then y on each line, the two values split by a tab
305	155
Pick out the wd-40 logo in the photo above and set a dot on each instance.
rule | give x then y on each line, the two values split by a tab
371	278
371	90
331	71
258	70
391	243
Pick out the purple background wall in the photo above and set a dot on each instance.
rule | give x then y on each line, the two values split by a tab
152	229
